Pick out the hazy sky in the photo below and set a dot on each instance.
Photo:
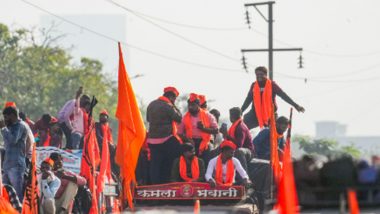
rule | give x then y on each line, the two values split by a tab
340	40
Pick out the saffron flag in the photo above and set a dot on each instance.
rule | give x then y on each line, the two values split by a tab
274	159
353	202
131	135
90	161
105	165
287	199
31	203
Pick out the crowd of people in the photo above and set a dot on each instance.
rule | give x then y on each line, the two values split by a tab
189	147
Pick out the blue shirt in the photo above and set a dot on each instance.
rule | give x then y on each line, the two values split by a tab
15	137
262	144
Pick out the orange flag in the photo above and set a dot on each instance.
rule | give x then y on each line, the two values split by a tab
197	207
90	161
30	204
274	159
353	202
105	165
287	199
132	131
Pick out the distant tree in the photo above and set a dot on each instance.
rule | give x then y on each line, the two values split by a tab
325	147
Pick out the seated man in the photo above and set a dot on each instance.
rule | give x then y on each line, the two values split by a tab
69	185
223	167
262	141
49	185
188	168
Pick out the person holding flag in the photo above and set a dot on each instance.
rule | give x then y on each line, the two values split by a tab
223	167
262	95
188	167
163	141
262	141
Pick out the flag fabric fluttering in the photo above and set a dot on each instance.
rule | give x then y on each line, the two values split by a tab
90	161
287	199
274	158
132	132
197	207
105	165
31	203
353	202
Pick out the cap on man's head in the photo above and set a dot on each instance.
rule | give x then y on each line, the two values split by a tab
10	104
202	99
49	161
171	89
104	112
193	97
228	143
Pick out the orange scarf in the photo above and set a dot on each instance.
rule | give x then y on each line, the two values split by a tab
219	172
231	131
263	104
206	137
174	124
194	169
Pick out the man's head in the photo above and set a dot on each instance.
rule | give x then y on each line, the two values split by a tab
193	104
171	93
261	73
46	118
216	114
235	114
228	149
202	101
58	160
188	150
10	115
103	116
47	165
282	124
85	102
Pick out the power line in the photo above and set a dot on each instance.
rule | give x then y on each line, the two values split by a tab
130	45
174	33
188	25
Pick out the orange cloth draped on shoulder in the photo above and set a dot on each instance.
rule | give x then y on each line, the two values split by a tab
231	131
263	102
174	124
131	133
229	174
206	137
194	169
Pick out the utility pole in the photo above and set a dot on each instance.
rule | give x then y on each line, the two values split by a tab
270	49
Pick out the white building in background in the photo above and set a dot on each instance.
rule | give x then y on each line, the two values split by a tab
82	43
368	145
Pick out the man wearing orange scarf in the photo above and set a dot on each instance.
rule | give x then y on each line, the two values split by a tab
262	141
197	127
223	167
262	95
163	141
188	167
239	134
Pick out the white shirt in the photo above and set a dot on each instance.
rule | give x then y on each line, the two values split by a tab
212	166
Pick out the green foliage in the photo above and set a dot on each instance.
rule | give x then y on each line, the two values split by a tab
325	147
40	78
